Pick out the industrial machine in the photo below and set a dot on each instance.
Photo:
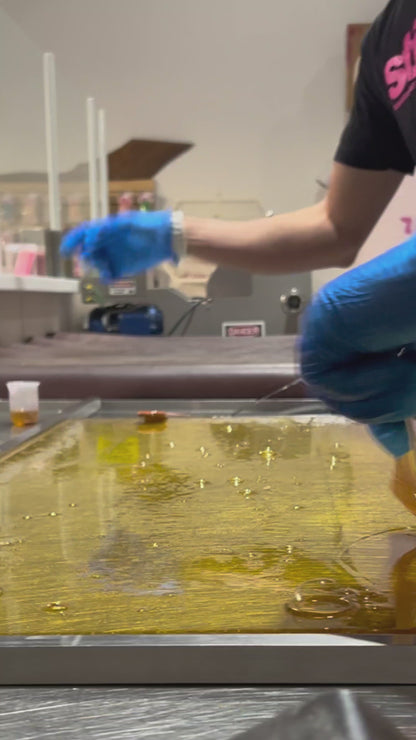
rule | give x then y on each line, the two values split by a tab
126	319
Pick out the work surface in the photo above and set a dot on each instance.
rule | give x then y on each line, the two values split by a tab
199	525
81	365
187	551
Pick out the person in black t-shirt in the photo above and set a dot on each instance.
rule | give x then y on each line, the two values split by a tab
380	134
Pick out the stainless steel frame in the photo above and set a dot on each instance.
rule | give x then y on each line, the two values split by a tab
55	412
200	659
203	660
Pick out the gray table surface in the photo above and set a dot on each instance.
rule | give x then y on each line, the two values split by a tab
165	714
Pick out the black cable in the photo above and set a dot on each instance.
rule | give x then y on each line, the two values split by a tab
179	321
189	320
185	315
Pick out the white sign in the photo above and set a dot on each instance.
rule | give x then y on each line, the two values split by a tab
123	288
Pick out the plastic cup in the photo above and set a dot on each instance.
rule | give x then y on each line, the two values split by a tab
23	402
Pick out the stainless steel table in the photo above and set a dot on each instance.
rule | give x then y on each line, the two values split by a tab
169	714
197	659
164	712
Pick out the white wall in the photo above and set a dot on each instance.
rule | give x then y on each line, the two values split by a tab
396	224
258	86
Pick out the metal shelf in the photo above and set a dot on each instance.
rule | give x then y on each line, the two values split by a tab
38	284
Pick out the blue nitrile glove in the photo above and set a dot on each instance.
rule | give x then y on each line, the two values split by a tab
358	345
123	245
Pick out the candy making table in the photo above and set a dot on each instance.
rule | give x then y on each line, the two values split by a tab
235	543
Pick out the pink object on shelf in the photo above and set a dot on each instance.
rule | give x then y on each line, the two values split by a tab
125	202
40	264
29	261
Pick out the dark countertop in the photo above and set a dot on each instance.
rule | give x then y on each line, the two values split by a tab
87	348
169	714
82	365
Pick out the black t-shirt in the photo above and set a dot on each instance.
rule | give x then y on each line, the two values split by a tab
381	133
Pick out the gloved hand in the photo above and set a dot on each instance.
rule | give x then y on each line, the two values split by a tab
358	345
123	245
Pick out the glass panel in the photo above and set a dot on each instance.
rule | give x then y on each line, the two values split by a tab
24	204
203	525
23	201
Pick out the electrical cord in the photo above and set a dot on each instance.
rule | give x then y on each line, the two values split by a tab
189	320
188	314
268	397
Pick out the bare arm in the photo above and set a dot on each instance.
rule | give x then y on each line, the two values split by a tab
328	234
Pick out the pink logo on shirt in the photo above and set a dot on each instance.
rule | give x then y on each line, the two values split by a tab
400	71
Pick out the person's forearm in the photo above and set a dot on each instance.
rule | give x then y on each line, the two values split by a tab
294	242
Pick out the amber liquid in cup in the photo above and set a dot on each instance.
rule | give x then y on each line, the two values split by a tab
23	402
24	418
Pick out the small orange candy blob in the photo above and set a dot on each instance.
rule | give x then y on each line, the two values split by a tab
152	417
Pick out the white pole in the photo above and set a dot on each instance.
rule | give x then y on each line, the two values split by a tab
51	129
92	156
102	153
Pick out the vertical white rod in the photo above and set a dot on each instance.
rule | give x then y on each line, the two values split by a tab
102	155
92	156
51	130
